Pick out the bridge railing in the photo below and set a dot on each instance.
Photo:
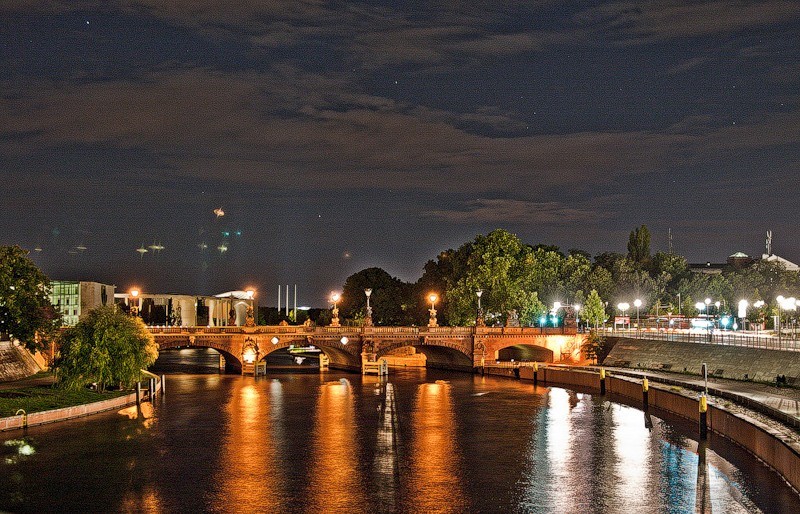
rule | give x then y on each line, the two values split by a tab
788	342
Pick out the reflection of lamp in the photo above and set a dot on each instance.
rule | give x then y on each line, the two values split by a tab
335	297
135	302
432	321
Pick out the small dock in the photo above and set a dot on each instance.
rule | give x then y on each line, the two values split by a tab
379	367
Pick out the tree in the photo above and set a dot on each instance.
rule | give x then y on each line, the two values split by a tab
495	266
639	246
26	313
594	346
106	347
594	312
388	298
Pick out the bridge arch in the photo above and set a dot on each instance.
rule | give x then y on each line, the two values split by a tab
340	355
438	353
233	363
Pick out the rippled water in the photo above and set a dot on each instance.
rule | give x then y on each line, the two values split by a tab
423	441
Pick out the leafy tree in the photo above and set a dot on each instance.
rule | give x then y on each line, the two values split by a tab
107	347
594	346
26	313
494	266
594	312
639	246
389	296
531	309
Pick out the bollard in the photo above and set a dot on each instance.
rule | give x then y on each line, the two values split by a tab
645	387
535	373
152	385
703	416
138	393
602	381
163	386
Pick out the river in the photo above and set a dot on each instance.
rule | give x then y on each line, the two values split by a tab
421	441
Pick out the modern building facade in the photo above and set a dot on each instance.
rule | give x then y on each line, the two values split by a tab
75	298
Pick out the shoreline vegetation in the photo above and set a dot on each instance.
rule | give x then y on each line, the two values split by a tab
37	394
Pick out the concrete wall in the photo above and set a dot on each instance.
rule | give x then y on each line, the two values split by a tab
723	361
15	362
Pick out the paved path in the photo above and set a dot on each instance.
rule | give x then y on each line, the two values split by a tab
784	399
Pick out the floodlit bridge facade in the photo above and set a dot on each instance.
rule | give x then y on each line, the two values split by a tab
463	348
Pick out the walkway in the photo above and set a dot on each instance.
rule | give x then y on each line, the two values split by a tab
785	400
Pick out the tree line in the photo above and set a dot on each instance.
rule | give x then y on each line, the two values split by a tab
526	280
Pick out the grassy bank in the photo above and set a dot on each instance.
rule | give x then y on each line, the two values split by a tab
37	398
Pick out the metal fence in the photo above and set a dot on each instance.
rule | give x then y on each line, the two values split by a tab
786	341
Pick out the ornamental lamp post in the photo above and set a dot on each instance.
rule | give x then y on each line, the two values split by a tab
368	317
479	322
432	321
335	297
135	302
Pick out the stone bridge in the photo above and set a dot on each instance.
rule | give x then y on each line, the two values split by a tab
461	348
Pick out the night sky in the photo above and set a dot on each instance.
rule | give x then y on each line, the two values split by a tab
338	136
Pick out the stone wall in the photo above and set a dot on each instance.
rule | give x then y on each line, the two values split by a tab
15	362
724	361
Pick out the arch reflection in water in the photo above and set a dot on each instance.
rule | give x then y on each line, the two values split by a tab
335	485
250	476
435	472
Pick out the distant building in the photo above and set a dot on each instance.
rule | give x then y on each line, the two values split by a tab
226	309
75	298
789	265
738	261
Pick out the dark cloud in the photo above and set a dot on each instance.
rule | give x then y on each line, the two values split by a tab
516	211
372	128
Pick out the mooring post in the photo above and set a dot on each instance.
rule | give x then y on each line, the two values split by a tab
163	385
703	416
152	388
645	387
535	373
602	381
138	393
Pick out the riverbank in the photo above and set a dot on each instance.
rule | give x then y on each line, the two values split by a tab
41	404
772	442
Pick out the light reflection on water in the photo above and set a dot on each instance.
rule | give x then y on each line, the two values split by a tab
418	442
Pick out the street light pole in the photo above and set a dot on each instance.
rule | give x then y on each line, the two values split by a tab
637	303
432	321
368	317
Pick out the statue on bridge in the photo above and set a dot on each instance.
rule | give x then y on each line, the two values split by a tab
250	320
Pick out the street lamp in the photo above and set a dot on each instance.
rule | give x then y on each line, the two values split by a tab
368	317
479	319
432	321
638	303
135	302
624	306
335	297
743	304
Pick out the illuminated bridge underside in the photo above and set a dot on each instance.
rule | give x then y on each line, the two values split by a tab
444	347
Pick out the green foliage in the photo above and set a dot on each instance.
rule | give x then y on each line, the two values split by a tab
388	298
639	246
106	347
593	345
43	397
26	313
594	311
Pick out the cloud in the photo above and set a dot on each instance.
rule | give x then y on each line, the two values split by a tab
515	211
642	22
